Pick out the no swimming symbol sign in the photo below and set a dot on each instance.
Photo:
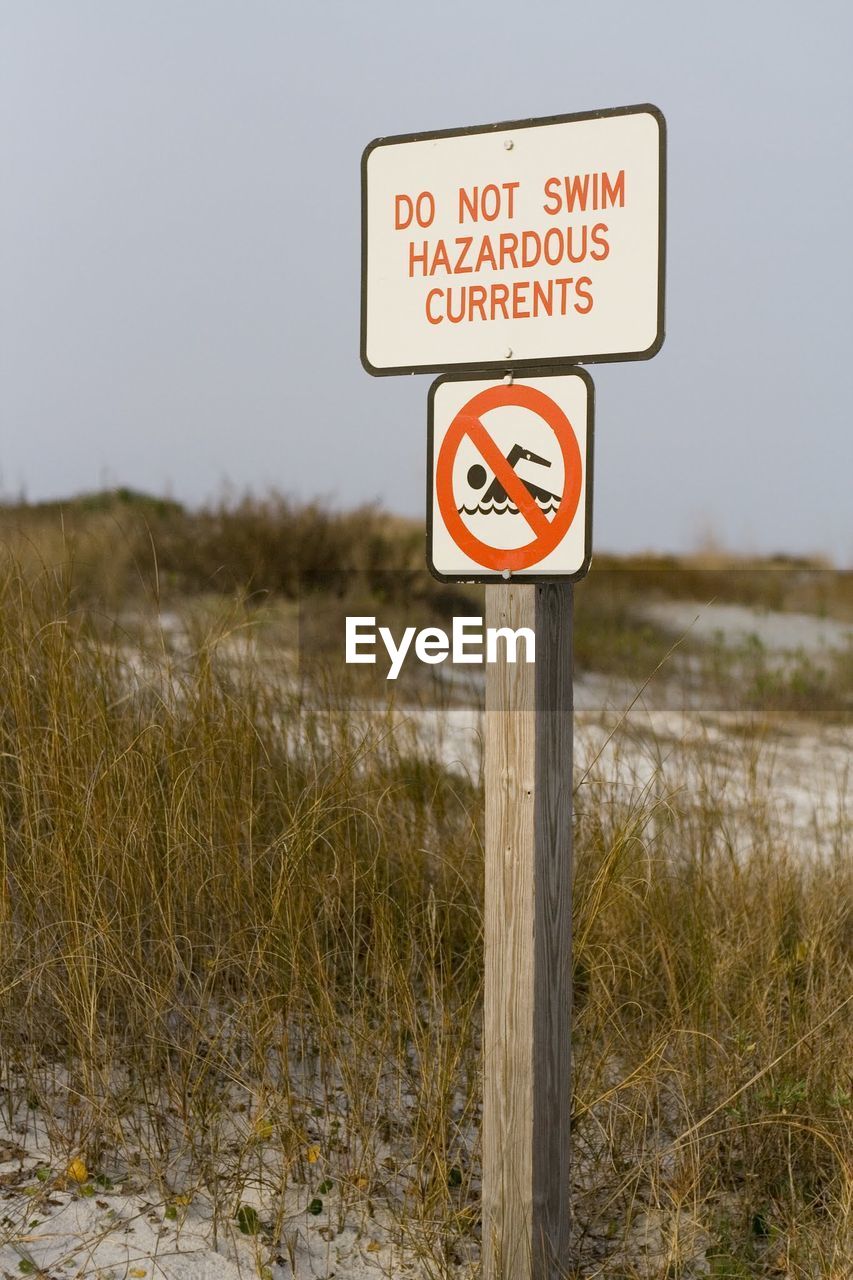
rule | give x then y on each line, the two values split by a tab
509	477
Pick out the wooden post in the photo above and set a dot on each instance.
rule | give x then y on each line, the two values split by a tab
527	1017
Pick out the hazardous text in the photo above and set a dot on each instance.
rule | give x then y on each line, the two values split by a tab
520	273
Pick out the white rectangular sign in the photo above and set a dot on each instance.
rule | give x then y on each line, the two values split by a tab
515	244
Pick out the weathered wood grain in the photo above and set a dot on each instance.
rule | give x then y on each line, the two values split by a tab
527	1094
552	1017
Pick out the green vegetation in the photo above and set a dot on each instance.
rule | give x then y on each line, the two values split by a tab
241	932
123	544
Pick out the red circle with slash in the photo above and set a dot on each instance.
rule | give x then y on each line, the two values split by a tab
547	533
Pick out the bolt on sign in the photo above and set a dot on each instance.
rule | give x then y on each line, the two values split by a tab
540	241
509	477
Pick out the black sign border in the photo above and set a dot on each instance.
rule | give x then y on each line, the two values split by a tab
491	577
646	108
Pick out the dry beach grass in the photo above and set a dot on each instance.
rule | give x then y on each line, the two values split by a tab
241	969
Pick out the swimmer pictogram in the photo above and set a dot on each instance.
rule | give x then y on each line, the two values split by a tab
496	501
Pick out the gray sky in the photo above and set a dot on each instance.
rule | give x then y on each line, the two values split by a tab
179	249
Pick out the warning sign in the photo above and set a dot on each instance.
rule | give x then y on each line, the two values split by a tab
510	477
515	244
